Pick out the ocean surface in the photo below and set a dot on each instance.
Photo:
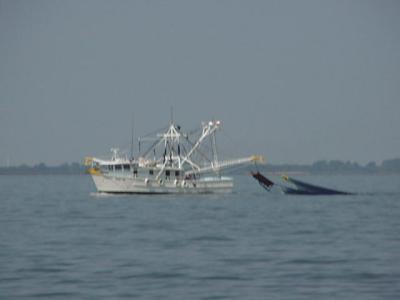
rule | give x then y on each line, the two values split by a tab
61	240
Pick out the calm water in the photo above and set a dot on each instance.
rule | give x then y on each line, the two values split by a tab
59	240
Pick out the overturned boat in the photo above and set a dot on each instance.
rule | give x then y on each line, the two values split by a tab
301	188
175	162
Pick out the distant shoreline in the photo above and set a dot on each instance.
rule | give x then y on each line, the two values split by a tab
332	167
43	169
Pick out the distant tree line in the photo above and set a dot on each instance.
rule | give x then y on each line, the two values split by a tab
389	166
337	166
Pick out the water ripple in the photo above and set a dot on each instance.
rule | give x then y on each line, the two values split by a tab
58	244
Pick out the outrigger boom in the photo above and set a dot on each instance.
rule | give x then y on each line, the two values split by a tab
227	164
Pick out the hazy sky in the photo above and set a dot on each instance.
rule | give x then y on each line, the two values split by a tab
296	81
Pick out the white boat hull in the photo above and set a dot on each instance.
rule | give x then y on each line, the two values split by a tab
114	184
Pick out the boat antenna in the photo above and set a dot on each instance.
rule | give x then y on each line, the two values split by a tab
172	114
132	134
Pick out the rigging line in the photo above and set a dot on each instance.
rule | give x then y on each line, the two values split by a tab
151	147
204	149
198	151
193	131
235	169
183	150
255	164
154	132
132	134
233	143
188	161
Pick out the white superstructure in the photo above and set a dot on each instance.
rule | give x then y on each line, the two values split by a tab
172	164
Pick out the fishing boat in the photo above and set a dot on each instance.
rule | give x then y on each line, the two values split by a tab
174	162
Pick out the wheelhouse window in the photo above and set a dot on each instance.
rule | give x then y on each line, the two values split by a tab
176	173
135	172
127	167
151	172
118	167
110	168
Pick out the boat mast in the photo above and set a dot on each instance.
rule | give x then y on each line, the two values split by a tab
215	153
132	132
172	114
170	138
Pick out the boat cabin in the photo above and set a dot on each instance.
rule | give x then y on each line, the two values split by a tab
124	169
